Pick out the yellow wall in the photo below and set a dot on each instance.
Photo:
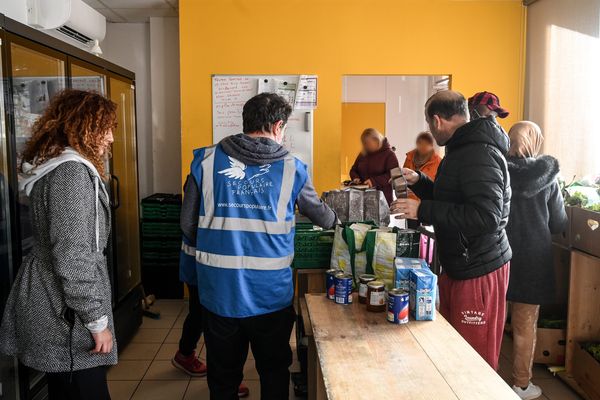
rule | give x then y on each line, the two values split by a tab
479	42
355	118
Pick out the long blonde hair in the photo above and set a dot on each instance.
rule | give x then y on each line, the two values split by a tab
372	133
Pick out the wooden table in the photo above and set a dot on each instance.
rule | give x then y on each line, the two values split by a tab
359	355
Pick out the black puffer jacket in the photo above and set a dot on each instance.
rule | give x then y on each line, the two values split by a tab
469	203
536	213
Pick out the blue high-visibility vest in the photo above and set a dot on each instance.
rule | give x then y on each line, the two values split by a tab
245	242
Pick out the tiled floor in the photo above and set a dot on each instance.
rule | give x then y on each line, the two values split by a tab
145	372
552	387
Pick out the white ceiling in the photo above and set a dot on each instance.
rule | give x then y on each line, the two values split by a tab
135	10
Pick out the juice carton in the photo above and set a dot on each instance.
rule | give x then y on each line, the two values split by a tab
402	268
423	289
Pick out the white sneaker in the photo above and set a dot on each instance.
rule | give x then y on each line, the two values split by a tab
531	392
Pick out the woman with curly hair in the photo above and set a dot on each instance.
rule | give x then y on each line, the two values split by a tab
58	318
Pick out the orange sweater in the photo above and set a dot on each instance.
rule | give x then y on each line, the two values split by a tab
430	168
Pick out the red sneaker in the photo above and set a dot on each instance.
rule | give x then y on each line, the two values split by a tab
243	391
190	364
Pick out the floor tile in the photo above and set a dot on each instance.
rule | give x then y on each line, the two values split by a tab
122	390
167	351
161	370
541	372
180	320
254	387
169	307
144	335
161	390
165	321
174	336
197	389
555	389
139	351
250	371
128	370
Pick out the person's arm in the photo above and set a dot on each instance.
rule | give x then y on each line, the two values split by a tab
354	170
190	209
71	203
423	188
483	200
311	206
380	181
559	221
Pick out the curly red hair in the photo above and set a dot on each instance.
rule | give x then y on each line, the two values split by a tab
77	119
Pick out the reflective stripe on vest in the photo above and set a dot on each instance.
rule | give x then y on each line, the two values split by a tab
188	250
243	262
279	227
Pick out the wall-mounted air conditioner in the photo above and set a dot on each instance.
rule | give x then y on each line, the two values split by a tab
71	20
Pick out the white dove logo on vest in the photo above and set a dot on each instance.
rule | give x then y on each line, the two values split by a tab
237	170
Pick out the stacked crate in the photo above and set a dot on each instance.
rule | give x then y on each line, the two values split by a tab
161	244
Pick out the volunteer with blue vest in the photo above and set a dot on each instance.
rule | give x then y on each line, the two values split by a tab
238	225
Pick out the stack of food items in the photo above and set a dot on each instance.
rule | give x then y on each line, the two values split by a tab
414	289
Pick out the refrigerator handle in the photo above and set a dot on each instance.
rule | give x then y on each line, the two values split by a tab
116	201
307	121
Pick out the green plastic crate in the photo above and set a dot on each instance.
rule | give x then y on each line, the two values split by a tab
312	247
161	230
161	207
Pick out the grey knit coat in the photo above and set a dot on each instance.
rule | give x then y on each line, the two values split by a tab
65	271
537	211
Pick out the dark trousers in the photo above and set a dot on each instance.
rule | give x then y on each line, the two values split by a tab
85	384
192	326
227	342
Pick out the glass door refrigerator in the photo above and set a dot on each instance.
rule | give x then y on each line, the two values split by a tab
35	67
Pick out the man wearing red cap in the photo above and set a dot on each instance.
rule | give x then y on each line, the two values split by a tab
486	104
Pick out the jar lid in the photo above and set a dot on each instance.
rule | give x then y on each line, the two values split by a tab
367	277
376	284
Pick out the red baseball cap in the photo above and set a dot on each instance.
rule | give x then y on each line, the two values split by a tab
490	100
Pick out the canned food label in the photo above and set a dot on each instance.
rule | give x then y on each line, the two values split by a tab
390	316
377	298
362	290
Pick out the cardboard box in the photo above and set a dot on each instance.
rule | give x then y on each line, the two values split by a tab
423	290
402	268
586	371
550	347
585	231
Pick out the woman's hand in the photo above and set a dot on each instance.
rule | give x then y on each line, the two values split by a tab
104	342
369	183
411	176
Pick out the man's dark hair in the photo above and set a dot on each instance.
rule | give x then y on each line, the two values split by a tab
446	105
264	110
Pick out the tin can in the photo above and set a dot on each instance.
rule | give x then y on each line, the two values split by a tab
343	288
397	306
363	280
330	283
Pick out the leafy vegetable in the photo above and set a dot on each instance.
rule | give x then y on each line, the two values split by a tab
593	349
576	199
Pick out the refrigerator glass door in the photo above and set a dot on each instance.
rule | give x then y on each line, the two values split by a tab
36	78
125	188
8	365
86	78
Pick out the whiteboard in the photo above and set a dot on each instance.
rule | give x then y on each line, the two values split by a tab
230	93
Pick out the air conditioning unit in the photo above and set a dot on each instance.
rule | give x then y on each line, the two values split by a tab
71	20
